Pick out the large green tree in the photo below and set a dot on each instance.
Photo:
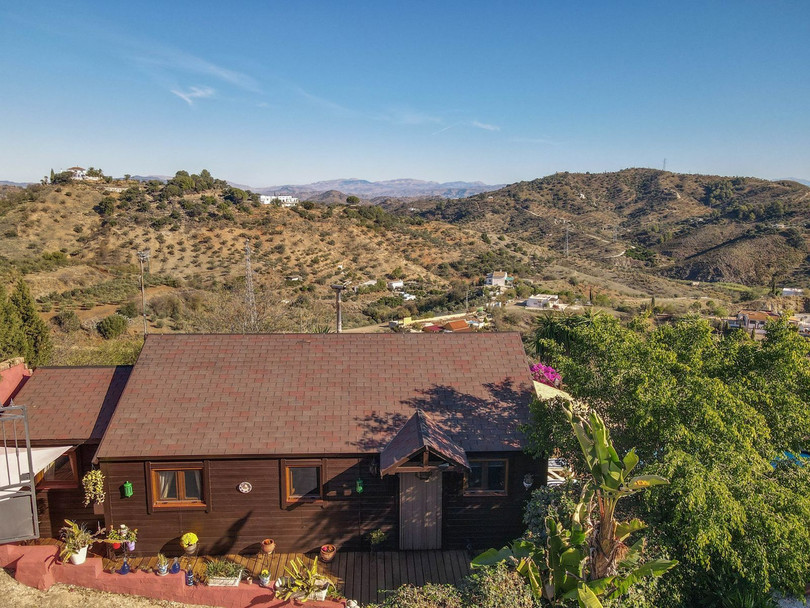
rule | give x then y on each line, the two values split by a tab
12	339
37	346
716	416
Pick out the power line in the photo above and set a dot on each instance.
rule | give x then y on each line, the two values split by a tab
143	256
250	296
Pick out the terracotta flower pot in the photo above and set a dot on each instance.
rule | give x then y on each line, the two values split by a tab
328	553
191	549
268	545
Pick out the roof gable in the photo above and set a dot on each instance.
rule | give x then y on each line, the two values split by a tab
302	394
420	433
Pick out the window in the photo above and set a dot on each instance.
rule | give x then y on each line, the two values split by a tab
61	473
303	481
177	485
487	477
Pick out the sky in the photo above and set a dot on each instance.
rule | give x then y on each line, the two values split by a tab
268	93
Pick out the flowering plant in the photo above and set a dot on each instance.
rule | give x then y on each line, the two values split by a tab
188	539
545	374
93	484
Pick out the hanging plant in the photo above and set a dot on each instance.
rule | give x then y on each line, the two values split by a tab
93	483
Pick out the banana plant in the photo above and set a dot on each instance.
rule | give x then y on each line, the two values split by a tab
611	477
583	560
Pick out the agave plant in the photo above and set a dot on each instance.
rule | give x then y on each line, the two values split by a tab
301	581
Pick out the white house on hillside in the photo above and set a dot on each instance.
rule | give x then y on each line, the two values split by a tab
499	278
545	301
284	201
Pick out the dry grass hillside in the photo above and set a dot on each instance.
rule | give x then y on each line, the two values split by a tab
695	227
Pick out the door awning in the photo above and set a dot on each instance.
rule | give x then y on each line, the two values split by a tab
14	465
421	436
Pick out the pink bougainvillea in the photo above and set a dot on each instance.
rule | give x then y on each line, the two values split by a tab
545	374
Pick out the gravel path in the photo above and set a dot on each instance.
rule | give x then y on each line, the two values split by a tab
17	595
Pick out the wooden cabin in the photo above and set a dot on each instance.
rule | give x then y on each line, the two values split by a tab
319	438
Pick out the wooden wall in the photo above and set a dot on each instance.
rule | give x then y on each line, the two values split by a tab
237	522
55	506
480	522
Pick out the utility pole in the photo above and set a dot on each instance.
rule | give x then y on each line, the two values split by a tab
338	289
665	164
143	256
567	226
250	297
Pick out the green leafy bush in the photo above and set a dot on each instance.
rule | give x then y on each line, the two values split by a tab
496	587
429	596
112	326
67	321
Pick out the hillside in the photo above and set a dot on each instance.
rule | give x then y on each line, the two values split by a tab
75	244
693	227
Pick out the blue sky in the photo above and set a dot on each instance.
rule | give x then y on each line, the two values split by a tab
265	93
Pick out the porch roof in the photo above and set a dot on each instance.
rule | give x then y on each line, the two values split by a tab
420	433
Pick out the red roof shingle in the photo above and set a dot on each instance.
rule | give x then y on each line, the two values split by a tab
273	394
71	404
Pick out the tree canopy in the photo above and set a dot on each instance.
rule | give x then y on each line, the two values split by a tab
716	416
22	330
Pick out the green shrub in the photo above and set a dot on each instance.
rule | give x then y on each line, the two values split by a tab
129	310
429	596
496	587
112	326
67	321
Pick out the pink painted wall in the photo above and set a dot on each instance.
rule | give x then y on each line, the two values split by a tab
13	375
37	566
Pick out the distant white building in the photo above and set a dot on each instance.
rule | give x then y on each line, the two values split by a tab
398	284
792	291
498	278
284	201
545	301
78	172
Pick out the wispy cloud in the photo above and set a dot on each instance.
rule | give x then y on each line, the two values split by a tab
321	102
533	140
194	93
179	62
447	128
403	115
485	126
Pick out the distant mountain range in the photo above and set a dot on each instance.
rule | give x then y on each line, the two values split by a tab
393	187
804	182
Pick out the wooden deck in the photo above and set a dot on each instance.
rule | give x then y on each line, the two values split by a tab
362	576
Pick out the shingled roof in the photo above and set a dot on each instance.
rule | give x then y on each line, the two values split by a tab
299	394
420	433
71	404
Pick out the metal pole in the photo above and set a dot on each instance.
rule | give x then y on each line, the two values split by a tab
338	289
143	256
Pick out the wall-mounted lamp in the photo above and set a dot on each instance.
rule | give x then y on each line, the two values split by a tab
424	475
358	485
127	489
528	481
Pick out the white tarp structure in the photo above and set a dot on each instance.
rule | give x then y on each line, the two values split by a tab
14	465
19	464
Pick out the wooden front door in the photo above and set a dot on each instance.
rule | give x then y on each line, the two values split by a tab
420	511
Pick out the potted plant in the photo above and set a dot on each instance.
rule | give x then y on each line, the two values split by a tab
162	565
302	583
76	538
264	577
223	573
268	545
189	542
328	553
376	538
122	534
93	484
